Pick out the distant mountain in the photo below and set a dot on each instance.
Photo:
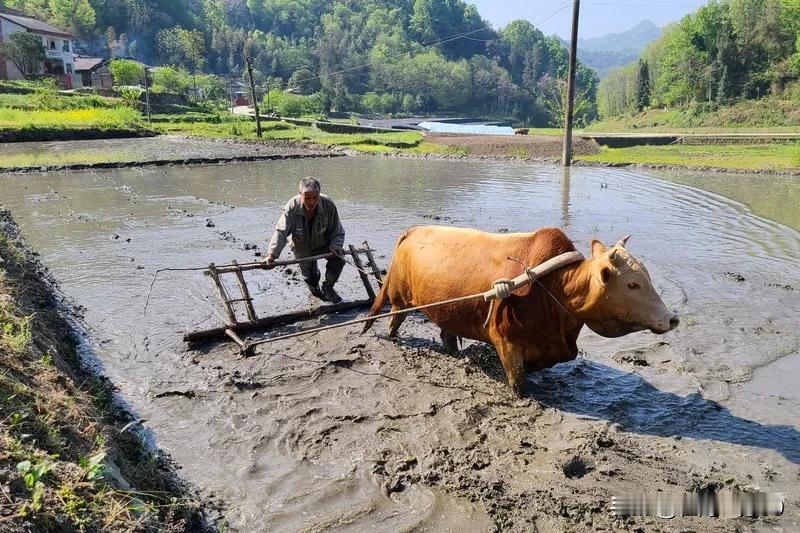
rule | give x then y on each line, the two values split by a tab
616	49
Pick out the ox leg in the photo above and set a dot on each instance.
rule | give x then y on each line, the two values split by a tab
395	322
512	360
450	343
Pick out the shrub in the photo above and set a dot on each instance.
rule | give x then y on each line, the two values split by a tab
292	105
126	72
371	103
171	80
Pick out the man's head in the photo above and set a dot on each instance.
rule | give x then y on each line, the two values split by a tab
309	193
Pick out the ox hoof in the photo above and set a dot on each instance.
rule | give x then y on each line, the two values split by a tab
449	343
518	388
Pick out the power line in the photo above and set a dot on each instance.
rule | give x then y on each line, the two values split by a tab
542	9
645	5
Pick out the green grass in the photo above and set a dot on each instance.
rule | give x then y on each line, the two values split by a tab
774	114
745	157
86	118
18	125
56	443
56	102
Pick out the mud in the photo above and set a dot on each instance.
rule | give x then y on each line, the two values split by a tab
84	414
338	430
156	151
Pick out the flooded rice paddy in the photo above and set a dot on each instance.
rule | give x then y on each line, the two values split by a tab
341	431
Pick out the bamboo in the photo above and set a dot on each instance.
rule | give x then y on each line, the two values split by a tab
268	322
364	277
223	294
248	301
260	265
238	340
373	265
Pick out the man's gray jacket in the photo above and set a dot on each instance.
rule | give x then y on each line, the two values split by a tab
307	239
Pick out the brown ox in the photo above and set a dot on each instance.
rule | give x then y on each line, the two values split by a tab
611	293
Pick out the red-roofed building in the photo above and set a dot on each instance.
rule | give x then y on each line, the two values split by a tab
59	59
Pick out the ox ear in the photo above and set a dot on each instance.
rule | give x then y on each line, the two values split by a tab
598	249
623	241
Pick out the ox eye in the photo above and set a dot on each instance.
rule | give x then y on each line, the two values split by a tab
633	286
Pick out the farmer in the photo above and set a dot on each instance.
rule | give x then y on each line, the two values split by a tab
312	222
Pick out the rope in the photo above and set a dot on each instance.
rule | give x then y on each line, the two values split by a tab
251	263
501	289
366	319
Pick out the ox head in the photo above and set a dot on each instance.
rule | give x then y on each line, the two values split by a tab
622	298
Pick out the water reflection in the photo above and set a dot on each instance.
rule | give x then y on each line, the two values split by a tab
565	176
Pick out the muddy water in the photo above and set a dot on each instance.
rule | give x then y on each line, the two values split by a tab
320	432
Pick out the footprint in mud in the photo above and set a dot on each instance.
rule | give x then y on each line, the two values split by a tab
734	276
785	287
643	356
576	467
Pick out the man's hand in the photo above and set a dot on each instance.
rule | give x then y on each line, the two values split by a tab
335	250
269	261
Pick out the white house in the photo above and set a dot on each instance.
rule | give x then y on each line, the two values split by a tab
59	59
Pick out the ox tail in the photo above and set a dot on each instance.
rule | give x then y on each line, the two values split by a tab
380	300
383	295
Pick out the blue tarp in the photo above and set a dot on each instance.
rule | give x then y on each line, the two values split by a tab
473	129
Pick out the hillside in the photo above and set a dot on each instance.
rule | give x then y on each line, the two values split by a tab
431	56
633	40
614	50
724	53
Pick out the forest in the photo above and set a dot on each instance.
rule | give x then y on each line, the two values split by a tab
440	56
727	51
381	56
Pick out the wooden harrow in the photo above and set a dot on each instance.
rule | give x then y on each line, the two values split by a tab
235	327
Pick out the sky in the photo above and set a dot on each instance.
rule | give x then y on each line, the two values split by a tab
597	18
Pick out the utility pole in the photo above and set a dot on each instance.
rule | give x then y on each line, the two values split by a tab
147	96
573	50
230	92
253	94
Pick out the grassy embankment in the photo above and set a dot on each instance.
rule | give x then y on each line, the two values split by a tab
757	157
775	114
35	111
65	462
243	128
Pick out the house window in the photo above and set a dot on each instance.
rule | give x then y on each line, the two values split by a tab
69	68
65	47
52	45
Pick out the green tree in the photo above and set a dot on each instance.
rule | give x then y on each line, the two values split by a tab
409	104
554	99
178	46
171	79
371	102
211	88
126	72
76	15
304	81
25	50
642	86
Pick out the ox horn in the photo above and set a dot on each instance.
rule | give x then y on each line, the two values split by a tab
623	241
614	257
